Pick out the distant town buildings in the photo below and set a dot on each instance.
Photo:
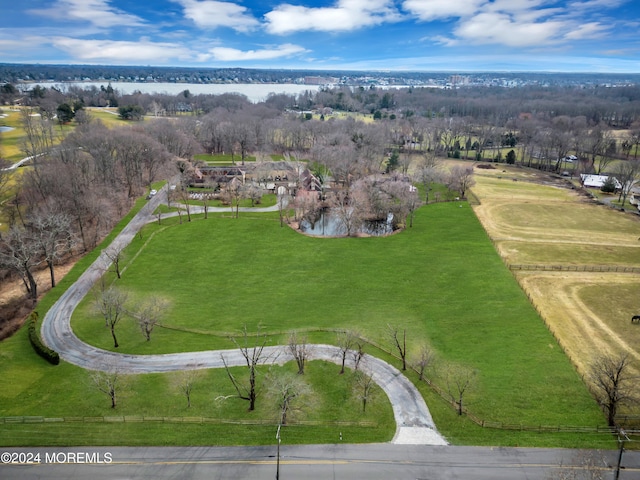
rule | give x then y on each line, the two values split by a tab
12	73
317	80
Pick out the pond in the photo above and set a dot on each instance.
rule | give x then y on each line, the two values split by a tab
5	129
329	225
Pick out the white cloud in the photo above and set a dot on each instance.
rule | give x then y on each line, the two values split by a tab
226	54
143	52
587	30
523	10
97	12
500	28
146	51
596	4
22	43
214	14
346	15
428	10
513	23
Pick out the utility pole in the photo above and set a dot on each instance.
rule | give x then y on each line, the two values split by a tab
278	455
622	437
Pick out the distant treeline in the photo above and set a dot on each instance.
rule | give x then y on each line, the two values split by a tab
17	73
617	107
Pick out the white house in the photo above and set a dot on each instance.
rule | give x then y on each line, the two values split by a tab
597	181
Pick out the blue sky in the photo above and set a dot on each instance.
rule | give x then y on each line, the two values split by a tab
436	35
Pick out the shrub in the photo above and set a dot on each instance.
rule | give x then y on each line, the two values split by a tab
609	185
40	348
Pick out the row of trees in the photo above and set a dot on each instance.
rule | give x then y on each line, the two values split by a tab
113	305
286	389
616	107
610	375
613	383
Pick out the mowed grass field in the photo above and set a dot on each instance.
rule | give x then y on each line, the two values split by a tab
533	222
442	280
10	141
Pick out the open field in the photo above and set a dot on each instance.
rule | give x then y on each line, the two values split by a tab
10	141
441	280
108	116
279	279
433	280
533	221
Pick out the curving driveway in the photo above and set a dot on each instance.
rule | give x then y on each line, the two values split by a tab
413	419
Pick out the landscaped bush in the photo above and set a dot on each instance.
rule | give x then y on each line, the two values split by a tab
41	349
609	185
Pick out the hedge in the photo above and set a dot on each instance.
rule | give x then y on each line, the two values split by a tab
41	349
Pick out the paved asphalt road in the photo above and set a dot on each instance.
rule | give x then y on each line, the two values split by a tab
311	462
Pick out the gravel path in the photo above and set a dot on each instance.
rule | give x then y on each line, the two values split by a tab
413	419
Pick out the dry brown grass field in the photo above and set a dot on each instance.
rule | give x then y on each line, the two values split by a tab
536	219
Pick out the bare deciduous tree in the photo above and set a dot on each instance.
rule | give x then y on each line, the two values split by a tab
286	388
253	193
283	203
399	340
459	381
172	135
150	311
347	209
614	384
357	353
210	187
184	382
346	341
19	252
363	385
253	356
627	173
428	173
53	237
115	256
109	382
233	193
424	360
181	191
299	350
110	302
460	179
37	142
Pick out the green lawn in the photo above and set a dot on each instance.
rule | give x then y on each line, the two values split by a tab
268	200
441	280
224	159
10	141
330	408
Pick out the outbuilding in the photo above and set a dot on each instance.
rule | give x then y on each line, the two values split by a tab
597	181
